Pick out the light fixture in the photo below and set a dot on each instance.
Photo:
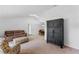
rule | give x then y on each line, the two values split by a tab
38	17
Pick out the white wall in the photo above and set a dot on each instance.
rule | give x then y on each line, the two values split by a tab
18	24
71	23
35	24
12	24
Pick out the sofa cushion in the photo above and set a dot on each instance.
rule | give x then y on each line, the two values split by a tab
19	33
9	33
10	38
20	40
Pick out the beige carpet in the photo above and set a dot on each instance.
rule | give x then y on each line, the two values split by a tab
39	46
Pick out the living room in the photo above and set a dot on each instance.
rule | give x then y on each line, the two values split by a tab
27	24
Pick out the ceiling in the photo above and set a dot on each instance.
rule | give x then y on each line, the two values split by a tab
12	11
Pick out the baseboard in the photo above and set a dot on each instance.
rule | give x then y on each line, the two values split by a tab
71	47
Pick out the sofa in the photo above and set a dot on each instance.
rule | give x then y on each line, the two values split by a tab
12	41
10	35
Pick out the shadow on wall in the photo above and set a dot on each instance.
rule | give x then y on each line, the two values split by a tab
66	32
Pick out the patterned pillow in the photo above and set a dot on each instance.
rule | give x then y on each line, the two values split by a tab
5	47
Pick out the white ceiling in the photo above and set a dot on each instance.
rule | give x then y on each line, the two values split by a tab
9	11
